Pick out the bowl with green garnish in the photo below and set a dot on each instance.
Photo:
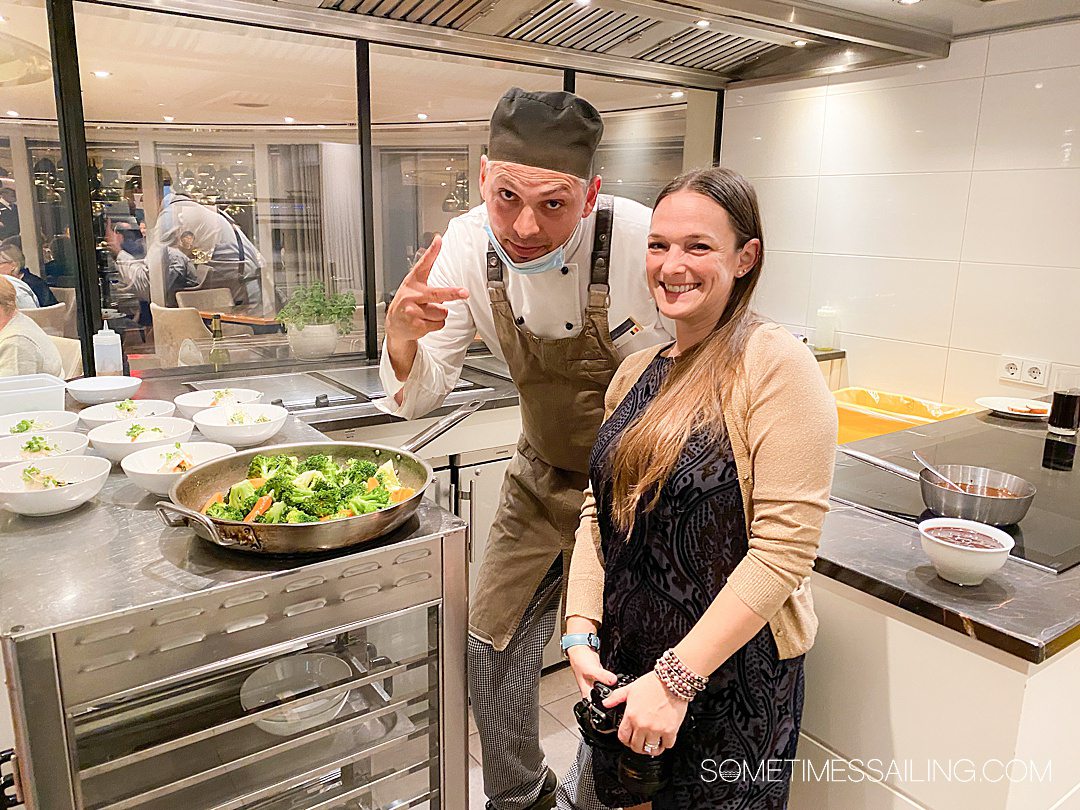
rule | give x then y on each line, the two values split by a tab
119	439
29	422
34	446
53	485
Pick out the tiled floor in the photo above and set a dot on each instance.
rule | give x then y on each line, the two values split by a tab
558	731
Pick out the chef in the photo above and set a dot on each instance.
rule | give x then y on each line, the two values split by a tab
550	274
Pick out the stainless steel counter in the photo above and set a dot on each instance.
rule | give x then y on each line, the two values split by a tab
114	555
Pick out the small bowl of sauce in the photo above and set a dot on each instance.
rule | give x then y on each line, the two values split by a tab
963	551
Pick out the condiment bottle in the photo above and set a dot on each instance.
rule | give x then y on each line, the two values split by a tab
108	355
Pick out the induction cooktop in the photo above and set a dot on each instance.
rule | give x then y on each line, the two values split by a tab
1049	535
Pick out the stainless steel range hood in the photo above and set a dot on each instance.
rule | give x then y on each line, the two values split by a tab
697	43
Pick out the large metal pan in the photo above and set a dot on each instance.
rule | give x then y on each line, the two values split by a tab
945	502
199	484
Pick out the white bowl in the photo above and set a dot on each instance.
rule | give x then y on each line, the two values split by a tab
285	677
97	415
962	564
87	475
214	424
95	390
47	422
112	441
67	444
194	401
143	466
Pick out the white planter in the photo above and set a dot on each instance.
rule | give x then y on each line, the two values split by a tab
314	341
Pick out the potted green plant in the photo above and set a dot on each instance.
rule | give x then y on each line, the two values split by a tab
313	320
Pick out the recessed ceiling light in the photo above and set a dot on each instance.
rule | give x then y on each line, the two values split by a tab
102	74
702	23
920	66
799	43
619	180
189	154
12	114
168	119
678	94
1038	85
908	2
422	116
449	168
239	162
289	119
443	184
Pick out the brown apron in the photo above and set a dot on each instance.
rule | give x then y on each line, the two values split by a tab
561	384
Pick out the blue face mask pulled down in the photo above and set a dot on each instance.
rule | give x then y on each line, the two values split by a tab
549	261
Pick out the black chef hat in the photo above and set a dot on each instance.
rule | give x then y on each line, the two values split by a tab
556	131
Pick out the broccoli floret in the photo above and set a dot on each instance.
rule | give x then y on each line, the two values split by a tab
222	511
263	466
365	502
298	516
242	495
323	464
279	483
274	514
360	471
324	502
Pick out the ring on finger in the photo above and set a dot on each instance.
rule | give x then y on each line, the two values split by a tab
652	748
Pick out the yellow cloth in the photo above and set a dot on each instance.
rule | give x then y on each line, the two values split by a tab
782	424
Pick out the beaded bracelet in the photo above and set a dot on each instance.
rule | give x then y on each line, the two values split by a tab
680	680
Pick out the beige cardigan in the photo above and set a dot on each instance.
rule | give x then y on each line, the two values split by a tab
782	423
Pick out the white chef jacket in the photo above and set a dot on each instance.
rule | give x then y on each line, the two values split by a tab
552	303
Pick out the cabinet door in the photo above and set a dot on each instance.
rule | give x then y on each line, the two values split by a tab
479	487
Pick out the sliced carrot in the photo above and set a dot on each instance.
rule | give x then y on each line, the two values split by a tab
256	482
217	497
402	494
324	519
372	483
344	513
261	505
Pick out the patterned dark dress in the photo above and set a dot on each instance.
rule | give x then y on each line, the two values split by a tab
657	585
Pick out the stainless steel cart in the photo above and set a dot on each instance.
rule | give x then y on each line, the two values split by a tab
128	697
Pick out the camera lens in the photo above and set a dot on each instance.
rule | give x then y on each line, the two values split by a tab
643	774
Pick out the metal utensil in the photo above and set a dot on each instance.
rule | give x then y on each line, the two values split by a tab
927	465
195	487
944	502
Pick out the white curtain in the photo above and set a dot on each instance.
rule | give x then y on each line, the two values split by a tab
342	218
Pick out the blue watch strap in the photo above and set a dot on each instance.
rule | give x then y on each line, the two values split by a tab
576	639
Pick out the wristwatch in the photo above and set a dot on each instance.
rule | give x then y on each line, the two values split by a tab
576	639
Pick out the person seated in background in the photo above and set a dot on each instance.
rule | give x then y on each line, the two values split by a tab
9	213
24	295
128	246
13	263
24	346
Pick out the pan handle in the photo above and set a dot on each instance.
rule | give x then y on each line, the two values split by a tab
432	432
881	463
176	516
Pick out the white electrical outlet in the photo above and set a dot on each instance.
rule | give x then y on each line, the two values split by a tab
1035	372
1010	368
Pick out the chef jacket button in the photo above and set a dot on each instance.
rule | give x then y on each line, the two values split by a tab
569	327
565	270
519	321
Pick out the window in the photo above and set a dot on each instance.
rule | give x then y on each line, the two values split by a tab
241	189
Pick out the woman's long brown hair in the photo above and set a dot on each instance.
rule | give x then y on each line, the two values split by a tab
693	394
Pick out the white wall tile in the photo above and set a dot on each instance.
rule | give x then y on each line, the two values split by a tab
788	207
917	216
784	286
901	299
1034	49
737	96
966	60
774	140
895	366
928	128
1023	217
971	375
1030	120
1015	310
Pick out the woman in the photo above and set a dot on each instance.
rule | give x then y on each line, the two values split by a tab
711	477
24	347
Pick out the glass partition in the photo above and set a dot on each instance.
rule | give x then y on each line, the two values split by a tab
34	227
242	190
430	117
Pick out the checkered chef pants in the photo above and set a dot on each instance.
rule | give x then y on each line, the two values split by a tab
504	688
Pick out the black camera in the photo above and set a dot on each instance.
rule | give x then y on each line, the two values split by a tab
639	773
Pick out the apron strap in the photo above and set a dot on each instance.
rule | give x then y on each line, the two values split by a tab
494	269
601	252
